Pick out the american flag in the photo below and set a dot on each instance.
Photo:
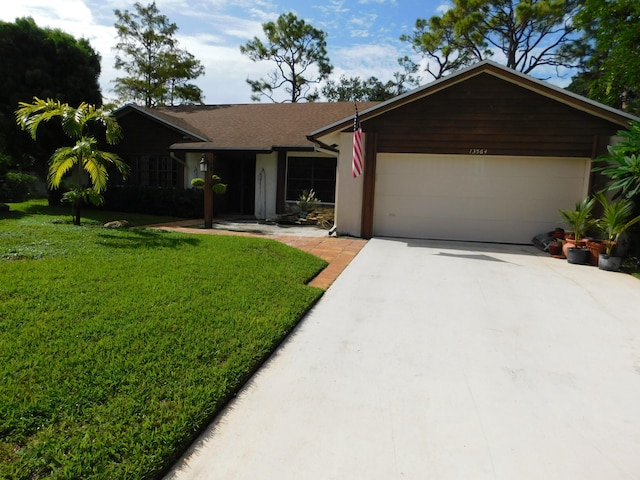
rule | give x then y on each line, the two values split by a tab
356	163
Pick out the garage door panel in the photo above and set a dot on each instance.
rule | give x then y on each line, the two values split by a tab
463	209
497	199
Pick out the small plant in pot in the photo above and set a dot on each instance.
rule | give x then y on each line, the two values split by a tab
580	221
614	222
197	182
307	202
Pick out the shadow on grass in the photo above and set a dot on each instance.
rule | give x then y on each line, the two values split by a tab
12	215
146	239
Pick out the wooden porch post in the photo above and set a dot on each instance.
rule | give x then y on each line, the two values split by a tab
369	186
208	191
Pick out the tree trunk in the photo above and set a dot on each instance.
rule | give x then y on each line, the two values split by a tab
75	212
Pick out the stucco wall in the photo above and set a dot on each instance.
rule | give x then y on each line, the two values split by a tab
266	185
192	169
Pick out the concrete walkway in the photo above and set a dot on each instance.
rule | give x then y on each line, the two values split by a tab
442	360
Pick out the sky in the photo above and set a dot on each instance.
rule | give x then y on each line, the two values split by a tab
362	35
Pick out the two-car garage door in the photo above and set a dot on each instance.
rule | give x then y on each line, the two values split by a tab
474	197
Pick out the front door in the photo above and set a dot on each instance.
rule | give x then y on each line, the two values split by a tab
237	170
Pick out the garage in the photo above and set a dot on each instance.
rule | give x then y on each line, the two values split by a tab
474	197
486	154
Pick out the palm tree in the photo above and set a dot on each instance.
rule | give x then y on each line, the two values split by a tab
616	219
84	155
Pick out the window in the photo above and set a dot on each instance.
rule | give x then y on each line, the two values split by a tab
152	171
306	173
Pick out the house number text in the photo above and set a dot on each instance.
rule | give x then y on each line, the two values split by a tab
478	151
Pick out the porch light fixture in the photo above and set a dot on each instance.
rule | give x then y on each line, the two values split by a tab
204	165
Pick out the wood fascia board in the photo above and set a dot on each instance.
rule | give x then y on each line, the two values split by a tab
161	120
210	146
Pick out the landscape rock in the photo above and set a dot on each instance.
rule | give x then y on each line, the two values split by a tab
117	224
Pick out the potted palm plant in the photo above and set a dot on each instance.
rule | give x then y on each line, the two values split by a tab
579	220
614	222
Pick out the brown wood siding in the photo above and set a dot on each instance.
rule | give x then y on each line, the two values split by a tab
487	115
369	186
143	136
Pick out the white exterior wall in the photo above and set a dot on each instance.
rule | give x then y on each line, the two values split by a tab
192	170
348	214
266	185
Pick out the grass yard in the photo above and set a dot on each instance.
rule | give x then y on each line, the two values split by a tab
118	346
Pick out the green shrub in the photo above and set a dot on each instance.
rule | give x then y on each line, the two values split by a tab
197	182
16	186
156	201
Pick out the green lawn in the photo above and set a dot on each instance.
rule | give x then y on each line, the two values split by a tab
117	346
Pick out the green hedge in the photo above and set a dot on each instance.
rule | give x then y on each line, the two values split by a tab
155	201
16	186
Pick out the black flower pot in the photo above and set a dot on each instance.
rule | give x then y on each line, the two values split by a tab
609	262
579	256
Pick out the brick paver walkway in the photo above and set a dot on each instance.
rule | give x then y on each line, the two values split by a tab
337	251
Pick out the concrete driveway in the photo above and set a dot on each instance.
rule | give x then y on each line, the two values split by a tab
442	360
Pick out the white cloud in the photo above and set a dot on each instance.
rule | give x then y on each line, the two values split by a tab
332	8
365	60
379	2
443	8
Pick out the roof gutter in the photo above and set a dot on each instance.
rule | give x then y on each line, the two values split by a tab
177	159
322	146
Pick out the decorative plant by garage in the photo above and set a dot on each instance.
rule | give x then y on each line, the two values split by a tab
622	163
579	219
615	220
622	166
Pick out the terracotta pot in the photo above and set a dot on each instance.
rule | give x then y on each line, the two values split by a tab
596	247
569	243
555	249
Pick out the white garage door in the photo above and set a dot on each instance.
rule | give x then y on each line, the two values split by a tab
475	197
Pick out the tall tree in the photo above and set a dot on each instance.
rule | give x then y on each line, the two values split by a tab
355	89
299	52
528	34
45	63
608	52
85	155
158	70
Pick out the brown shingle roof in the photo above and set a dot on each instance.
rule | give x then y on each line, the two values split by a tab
255	126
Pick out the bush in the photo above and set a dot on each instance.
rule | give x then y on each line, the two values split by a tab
197	182
155	201
16	186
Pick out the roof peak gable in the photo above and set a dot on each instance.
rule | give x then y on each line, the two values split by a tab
510	75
